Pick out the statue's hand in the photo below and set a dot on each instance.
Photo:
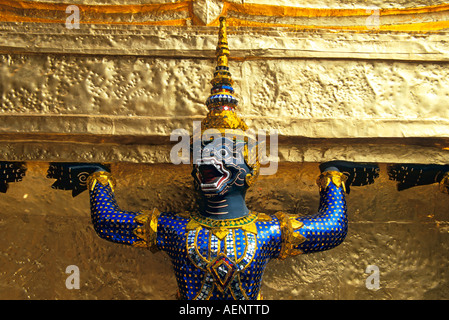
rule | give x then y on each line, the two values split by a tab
72	176
10	172
411	175
358	174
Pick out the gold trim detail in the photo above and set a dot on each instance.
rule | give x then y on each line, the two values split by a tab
182	13
227	223
147	231
290	238
336	177
134	14
103	177
220	228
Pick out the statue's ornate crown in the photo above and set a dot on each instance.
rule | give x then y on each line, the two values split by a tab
222	102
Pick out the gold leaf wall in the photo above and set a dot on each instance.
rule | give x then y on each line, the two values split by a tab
350	80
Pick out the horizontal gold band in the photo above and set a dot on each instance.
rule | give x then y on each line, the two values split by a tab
241	15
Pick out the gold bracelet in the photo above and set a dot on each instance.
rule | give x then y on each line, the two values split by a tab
290	239
103	177
147	229
338	178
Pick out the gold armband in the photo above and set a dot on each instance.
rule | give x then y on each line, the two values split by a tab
444	183
103	177
147	231
336	177
290	239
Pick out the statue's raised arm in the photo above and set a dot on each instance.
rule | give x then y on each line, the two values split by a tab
109	221
328	227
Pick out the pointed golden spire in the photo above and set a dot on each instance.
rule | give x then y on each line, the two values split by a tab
222	102
222	93
222	52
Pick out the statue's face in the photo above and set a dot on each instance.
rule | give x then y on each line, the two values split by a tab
222	167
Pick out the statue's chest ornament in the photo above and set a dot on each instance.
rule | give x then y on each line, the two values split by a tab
222	249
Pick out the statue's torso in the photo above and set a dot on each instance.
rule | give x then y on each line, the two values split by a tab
213	262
